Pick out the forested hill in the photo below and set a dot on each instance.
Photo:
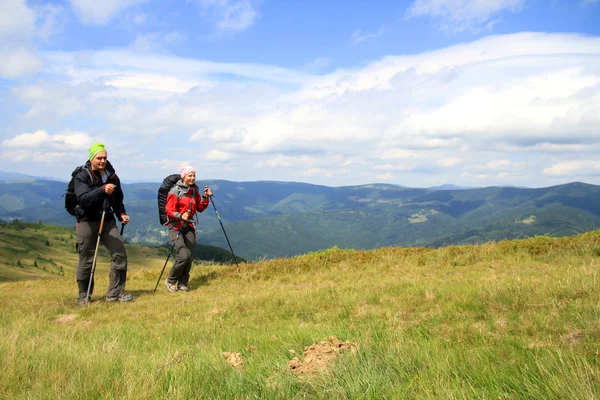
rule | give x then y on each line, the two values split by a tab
270	219
37	251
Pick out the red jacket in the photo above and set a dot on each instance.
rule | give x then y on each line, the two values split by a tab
180	199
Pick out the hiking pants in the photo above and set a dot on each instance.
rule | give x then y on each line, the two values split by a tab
180	272
87	237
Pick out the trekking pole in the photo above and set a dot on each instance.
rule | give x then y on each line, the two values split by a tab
122	227
87	297
222	227
169	256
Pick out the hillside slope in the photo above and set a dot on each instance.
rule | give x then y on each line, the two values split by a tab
36	251
514	319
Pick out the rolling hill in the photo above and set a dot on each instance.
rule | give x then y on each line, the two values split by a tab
267	219
38	251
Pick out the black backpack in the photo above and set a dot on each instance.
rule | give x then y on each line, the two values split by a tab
163	191
71	204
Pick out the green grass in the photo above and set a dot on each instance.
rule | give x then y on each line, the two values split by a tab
508	320
33	251
40	251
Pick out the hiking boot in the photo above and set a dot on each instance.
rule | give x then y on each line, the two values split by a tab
82	302
170	286
122	298
183	288
81	299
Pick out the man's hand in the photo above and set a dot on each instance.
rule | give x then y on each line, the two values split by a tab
109	188
185	216
125	219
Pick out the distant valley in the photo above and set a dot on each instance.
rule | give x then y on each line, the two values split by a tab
267	219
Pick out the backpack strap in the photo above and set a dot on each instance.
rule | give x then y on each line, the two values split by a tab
89	173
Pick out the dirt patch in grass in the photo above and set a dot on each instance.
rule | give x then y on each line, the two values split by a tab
66	318
235	359
318	355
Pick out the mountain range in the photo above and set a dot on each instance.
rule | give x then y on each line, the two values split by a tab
266	219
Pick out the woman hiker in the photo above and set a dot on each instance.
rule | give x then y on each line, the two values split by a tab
98	189
183	202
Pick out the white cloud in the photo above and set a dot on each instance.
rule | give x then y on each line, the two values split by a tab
498	164
279	161
459	15
88	66
18	61
95	12
388	177
561	148
446	65
358	36
50	99
316	172
232	134
162	164
217	155
394	167
17	33
28	140
543	105
306	164
42	140
291	162
231	15
450	162
150	82
17	27
489	109
16	20
398	153
565	168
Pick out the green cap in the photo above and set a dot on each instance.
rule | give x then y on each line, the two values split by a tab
95	149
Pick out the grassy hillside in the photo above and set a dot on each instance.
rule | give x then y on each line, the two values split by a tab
510	320
35	251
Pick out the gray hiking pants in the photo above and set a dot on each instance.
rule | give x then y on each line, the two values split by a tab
87	237
184	244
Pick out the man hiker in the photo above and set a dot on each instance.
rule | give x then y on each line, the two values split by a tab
98	191
183	202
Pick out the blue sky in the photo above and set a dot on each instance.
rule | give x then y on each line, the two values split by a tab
416	93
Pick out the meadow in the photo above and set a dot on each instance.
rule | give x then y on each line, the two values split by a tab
508	320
